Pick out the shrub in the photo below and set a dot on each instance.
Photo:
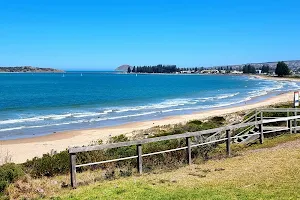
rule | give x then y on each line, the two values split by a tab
8	174
119	138
55	164
48	165
196	122
218	120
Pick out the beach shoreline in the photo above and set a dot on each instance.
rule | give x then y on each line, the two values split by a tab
276	78
22	149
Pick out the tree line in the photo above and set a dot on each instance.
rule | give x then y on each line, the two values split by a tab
159	69
282	69
250	69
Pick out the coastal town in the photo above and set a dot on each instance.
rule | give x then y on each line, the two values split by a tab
267	68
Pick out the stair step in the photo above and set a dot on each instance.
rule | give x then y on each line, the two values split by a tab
249	139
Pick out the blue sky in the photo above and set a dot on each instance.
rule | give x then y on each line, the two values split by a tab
101	35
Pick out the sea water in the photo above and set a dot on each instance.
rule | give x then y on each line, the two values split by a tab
38	104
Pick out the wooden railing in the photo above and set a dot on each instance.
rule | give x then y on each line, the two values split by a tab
138	143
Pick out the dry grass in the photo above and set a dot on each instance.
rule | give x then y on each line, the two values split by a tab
5	157
266	174
269	173
30	188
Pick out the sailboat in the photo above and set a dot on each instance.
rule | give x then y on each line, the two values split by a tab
63	75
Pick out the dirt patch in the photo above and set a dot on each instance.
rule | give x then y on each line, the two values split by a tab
287	145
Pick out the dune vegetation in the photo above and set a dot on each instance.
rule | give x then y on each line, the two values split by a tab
269	173
259	171
254	171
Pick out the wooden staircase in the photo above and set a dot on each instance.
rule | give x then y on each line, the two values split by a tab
251	133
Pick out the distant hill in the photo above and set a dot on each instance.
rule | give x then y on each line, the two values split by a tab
293	64
123	68
29	69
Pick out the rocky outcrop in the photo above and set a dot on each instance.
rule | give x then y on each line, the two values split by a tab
123	68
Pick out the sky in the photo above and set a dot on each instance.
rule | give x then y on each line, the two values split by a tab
104	34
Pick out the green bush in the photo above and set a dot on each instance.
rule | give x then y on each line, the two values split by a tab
118	138
196	122
55	164
218	120
8	174
48	165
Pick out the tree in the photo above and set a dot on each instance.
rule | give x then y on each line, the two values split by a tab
252	69
128	70
282	69
265	69
133	70
249	69
245	69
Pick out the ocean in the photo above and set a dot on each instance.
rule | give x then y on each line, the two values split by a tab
39	104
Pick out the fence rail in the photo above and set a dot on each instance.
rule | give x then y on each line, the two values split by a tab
228	138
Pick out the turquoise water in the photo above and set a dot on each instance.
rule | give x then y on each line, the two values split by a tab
39	104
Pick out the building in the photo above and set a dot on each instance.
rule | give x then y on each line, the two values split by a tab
258	71
236	72
209	71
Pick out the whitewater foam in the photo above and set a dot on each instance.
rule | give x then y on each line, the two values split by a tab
100	114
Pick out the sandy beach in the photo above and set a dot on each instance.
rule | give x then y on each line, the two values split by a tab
276	78
20	150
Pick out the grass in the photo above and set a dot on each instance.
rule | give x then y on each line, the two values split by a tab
267	171
268	143
218	178
264	174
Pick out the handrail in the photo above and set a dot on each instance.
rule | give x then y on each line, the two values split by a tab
251	117
157	139
187	136
177	136
245	130
281	110
246	120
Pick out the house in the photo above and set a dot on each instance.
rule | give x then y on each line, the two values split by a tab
258	71
185	72
209	71
236	72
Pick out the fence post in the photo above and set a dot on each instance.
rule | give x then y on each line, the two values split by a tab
139	158
256	113
290	126
73	170
228	150
261	136
189	150
295	122
261	118
287	122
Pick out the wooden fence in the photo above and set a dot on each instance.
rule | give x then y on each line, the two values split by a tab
228	139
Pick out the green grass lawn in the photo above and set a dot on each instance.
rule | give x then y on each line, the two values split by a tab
272	172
